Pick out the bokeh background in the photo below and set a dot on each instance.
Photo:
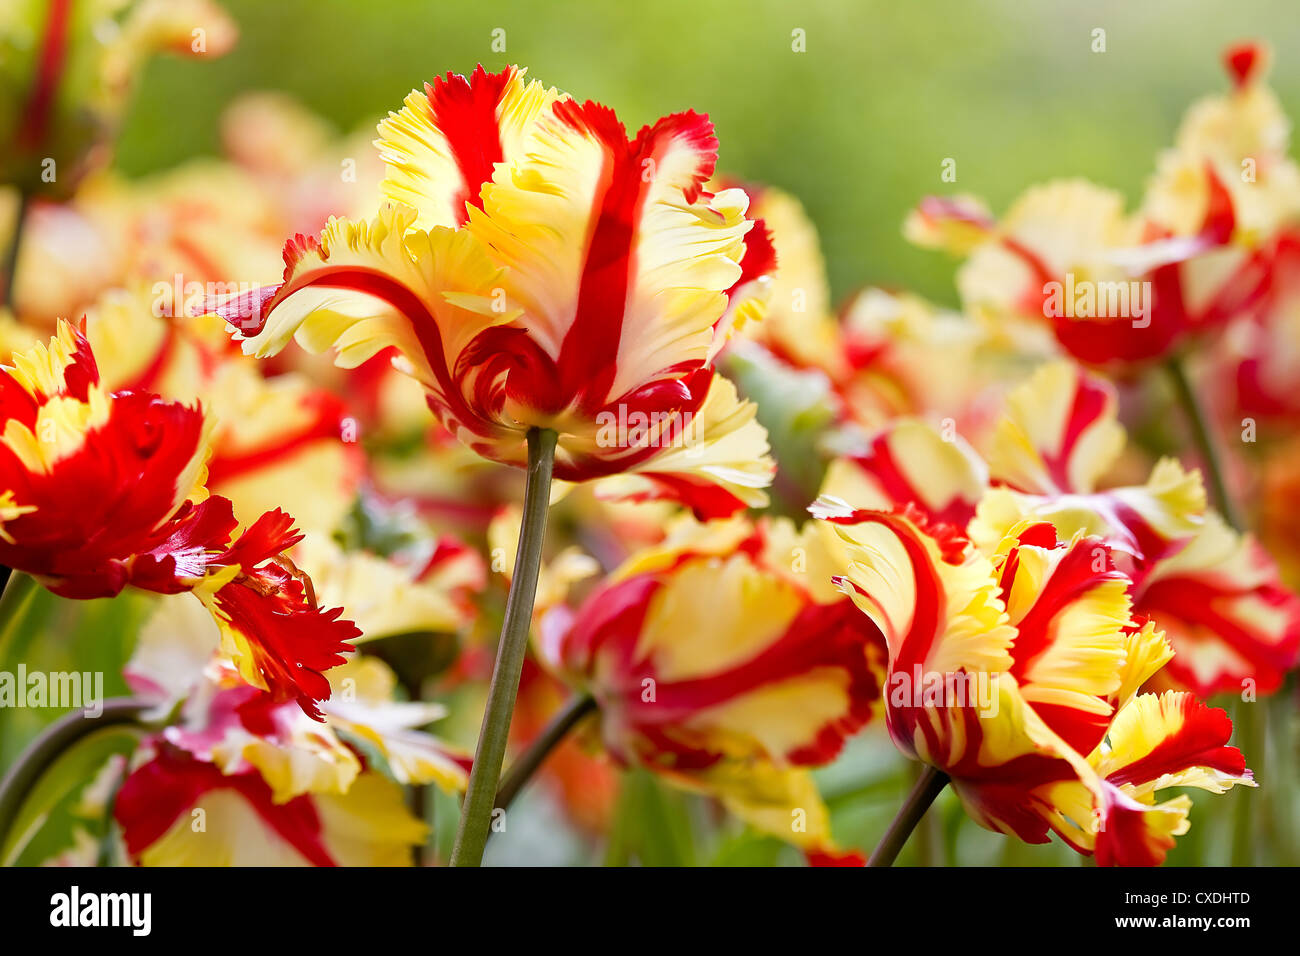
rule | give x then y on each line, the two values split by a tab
857	126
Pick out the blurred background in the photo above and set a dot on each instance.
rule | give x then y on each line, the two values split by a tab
857	126
852	106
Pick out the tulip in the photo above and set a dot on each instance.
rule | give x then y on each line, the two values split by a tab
560	290
1030	661
785	671
150	522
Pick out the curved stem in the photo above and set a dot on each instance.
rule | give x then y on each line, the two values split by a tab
18	591
1205	443
15	590
522	770
480	797
50	745
107	848
913	809
11	254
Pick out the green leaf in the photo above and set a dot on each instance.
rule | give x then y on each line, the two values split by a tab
652	824
794	406
749	848
48	633
57	791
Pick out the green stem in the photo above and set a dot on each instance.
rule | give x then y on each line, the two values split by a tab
50	745
18	592
928	786
929	832
107	845
1247	719
480	797
522	770
418	796
1205	443
421	805
11	254
1248	727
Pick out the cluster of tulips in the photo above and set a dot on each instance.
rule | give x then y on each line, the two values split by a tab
561	414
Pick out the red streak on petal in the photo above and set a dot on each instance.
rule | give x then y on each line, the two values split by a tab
1220	218
760	256
589	352
943	208
879	462
381	286
1199	742
466	112
1091	400
326	415
158	793
36	114
1243	62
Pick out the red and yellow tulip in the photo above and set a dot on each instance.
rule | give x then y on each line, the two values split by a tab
1016	675
1120	290
1215	592
538	268
149	522
784	672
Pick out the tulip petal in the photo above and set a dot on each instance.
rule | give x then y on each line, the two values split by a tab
1060	433
444	144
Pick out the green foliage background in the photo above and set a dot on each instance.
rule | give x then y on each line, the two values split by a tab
856	127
